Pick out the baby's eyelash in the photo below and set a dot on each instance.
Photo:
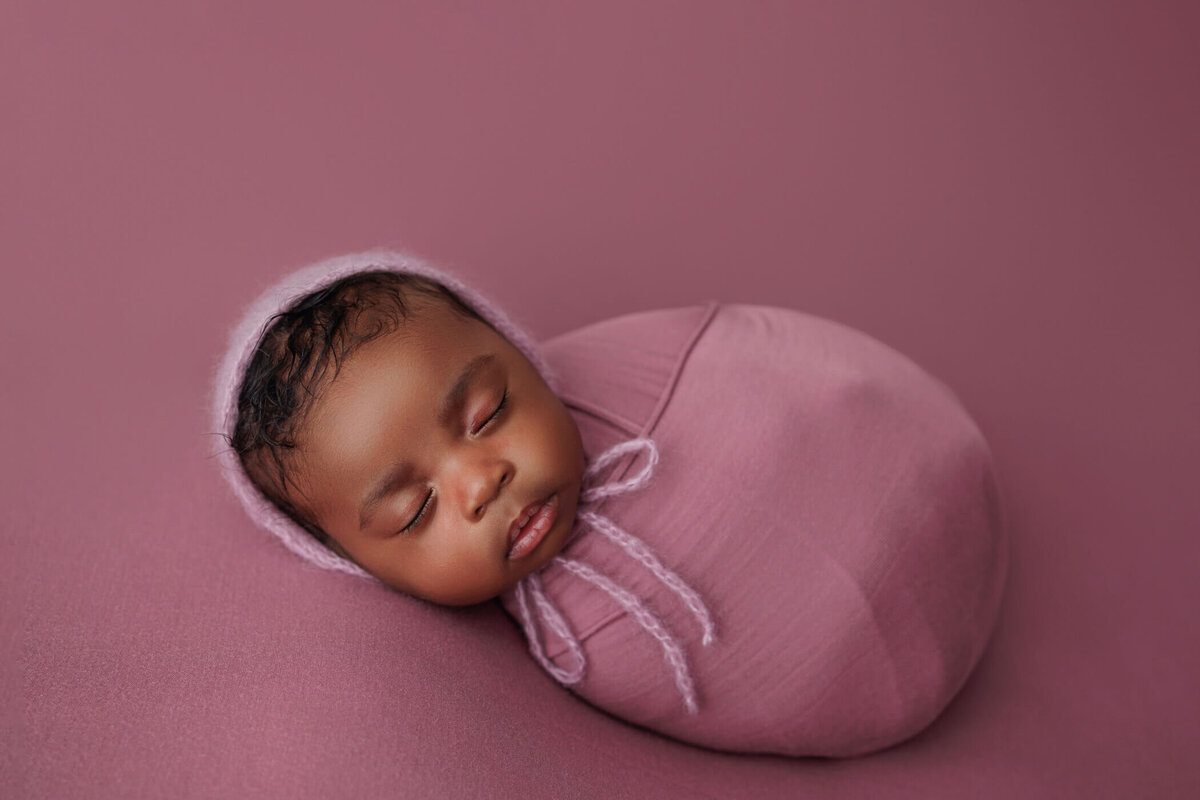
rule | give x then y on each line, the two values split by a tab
496	413
420	514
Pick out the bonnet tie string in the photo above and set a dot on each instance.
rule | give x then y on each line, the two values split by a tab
548	615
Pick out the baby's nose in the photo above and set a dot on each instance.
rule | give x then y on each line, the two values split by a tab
486	484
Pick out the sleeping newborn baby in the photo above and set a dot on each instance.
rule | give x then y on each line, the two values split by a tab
742	527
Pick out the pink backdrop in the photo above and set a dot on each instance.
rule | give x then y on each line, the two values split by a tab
1005	192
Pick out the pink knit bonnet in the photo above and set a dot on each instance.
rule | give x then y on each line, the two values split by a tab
244	340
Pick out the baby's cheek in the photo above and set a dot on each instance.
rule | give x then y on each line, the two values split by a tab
537	436
567	440
461	579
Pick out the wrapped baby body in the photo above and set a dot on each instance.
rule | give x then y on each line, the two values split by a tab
833	507
797	549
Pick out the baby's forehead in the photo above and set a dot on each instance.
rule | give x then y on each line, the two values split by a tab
437	329
431	346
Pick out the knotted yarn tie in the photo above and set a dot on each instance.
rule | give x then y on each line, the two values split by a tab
551	617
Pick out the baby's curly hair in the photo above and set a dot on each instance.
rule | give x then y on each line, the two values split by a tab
292	361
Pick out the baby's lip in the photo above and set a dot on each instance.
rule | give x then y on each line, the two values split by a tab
522	519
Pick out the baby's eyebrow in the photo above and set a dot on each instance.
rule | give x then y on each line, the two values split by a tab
451	403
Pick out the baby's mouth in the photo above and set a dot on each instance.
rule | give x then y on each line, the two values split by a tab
531	526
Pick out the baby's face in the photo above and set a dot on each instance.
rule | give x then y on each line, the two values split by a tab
427	452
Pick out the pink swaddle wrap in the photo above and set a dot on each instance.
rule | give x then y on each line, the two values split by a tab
790	538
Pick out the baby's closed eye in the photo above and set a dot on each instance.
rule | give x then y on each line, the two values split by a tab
420	513
494	415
